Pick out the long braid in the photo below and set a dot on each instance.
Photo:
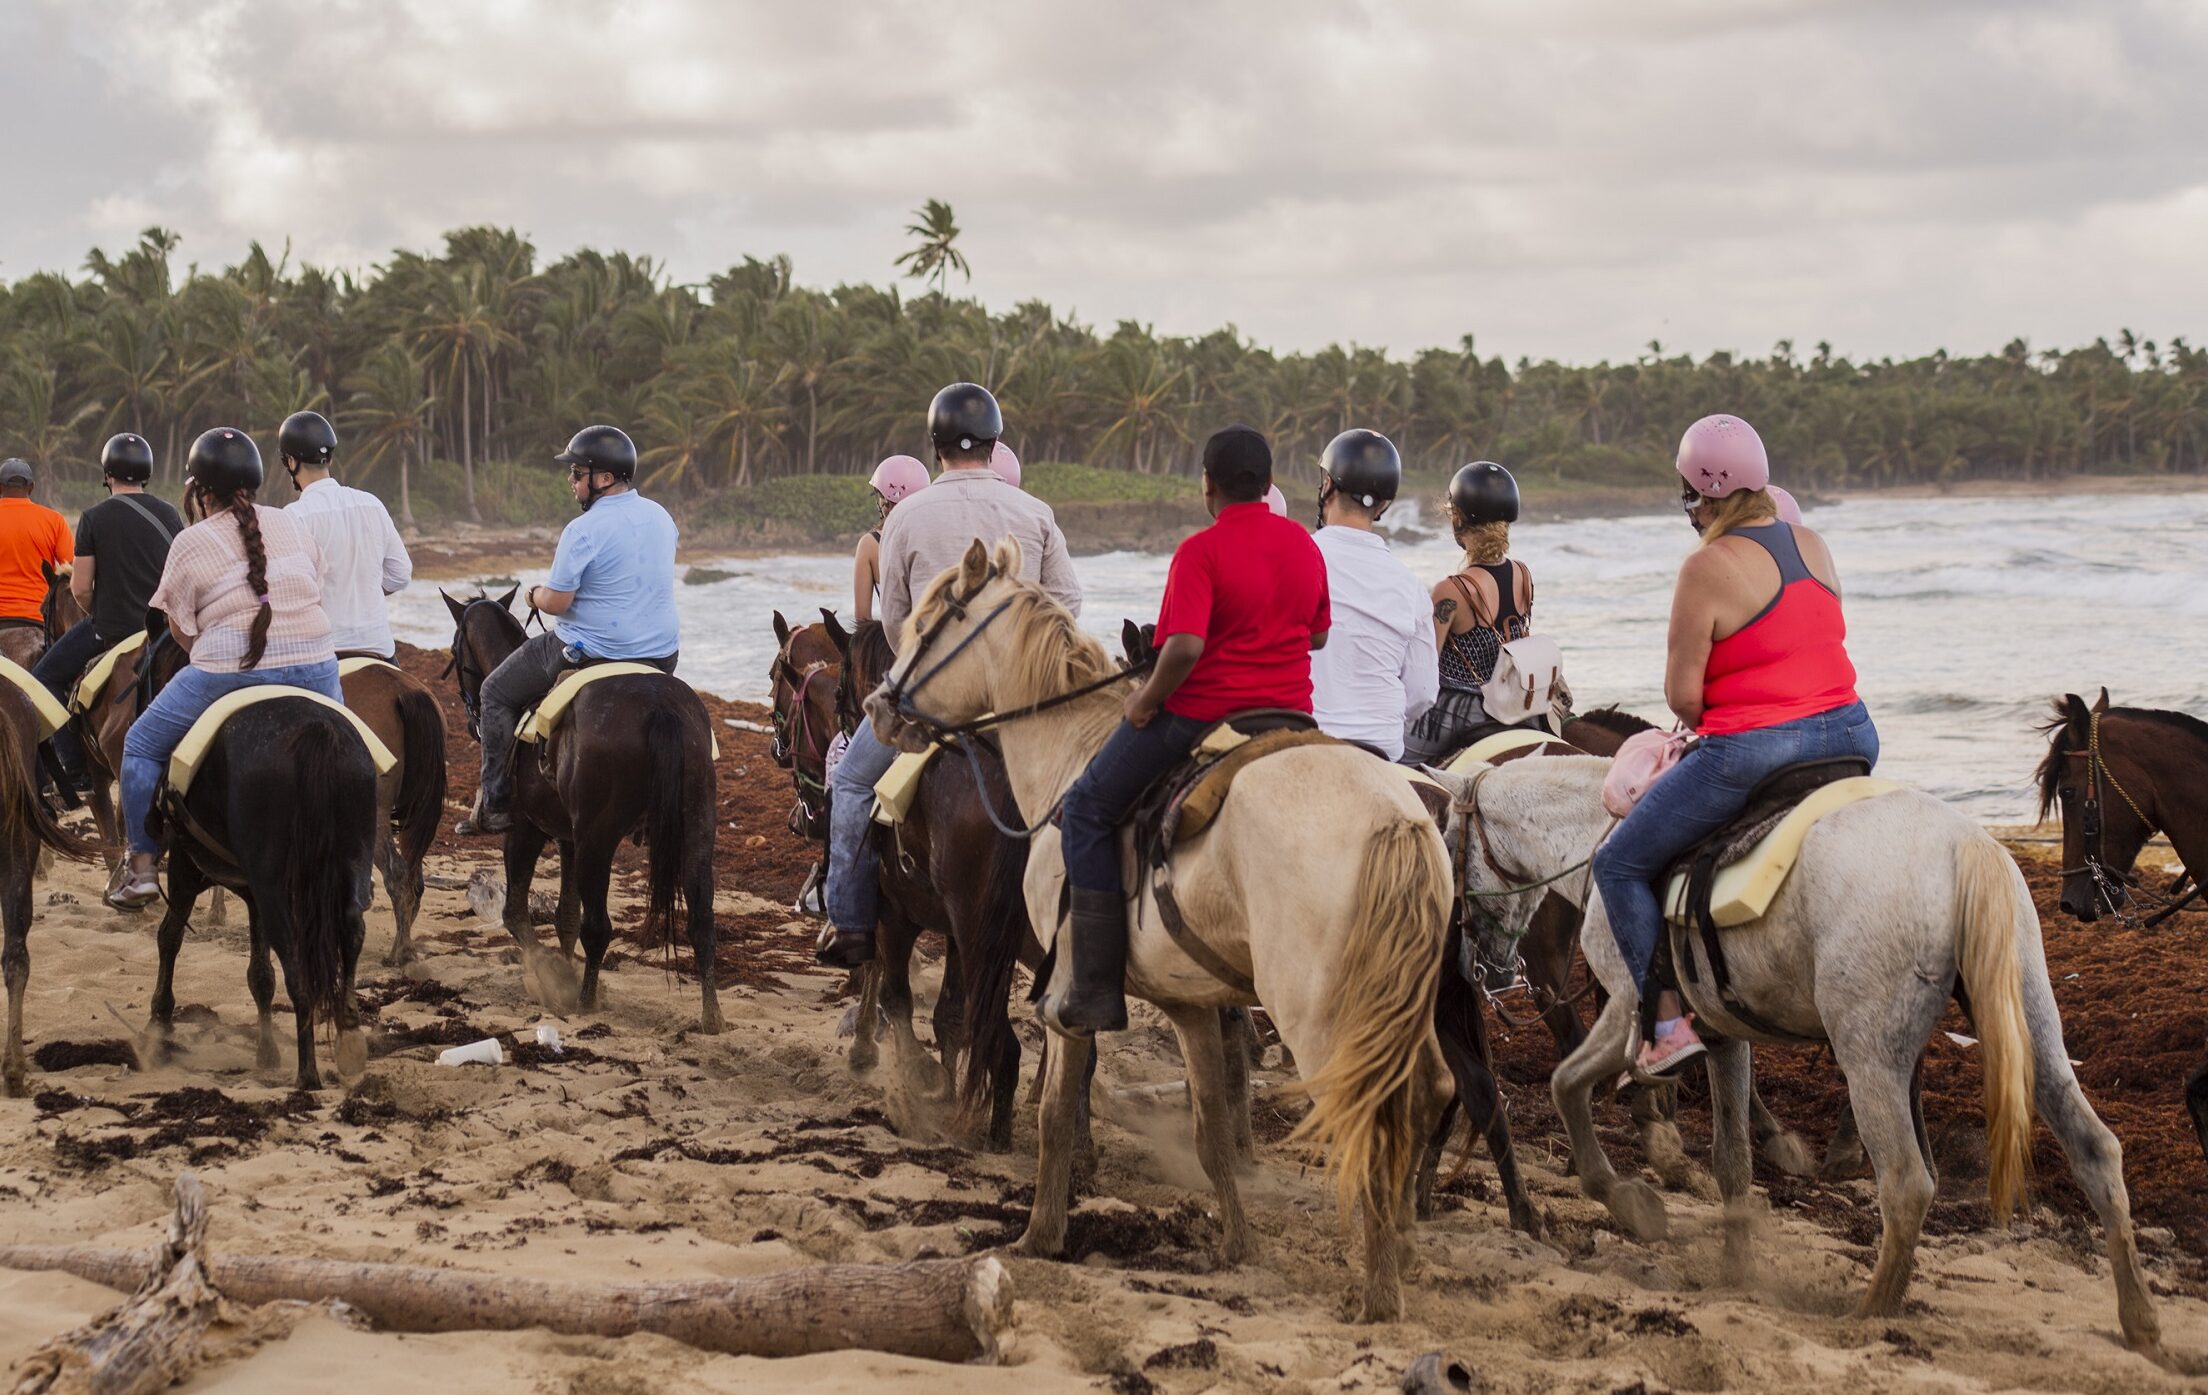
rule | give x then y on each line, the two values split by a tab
256	573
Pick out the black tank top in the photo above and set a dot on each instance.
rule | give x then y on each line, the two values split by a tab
1468	657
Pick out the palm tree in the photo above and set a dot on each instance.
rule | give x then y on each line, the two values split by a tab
937	255
388	408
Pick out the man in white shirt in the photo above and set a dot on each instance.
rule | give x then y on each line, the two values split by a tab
1378	671
363	557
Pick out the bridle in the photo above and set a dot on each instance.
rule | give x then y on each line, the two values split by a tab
471	678
811	740
2118	892
1470	821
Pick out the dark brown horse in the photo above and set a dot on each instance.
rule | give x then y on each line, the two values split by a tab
404	714
2120	775
633	757
23	640
283	811
26	826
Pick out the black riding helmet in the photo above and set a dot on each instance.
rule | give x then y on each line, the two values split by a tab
604	449
127	457
964	416
1364	465
308	438
224	462
1484	492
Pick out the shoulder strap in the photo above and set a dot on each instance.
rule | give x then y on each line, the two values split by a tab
1471	601
148	515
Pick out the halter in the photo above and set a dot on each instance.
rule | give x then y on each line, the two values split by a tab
2119	892
799	684
471	682
1471	820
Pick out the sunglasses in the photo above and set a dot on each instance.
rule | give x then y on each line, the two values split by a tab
576	474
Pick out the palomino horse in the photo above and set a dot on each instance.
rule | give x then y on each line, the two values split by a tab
634	756
26	827
2155	764
1322	879
400	709
1895	905
283	812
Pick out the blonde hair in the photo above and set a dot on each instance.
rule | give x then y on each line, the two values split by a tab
1483	543
1742	508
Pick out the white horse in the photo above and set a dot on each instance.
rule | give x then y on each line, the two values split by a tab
1322	880
1890	903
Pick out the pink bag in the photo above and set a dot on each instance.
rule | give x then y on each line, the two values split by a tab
1639	764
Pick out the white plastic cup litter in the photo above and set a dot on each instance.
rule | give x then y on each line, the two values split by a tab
548	1036
486	1052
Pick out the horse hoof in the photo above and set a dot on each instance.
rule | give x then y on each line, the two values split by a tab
712	1024
1526	1221
1790	1155
865	1055
1641	1210
352	1055
16	1084
1382	1307
399	957
1035	1246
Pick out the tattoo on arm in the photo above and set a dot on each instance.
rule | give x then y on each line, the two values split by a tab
1445	610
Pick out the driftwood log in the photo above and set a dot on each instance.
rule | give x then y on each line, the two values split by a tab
941	1309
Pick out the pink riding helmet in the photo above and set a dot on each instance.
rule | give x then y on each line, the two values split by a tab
899	477
1789	511
1005	463
1723	455
1276	501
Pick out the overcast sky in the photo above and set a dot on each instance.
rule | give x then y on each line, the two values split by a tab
1566	178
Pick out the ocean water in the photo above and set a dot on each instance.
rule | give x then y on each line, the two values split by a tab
1964	616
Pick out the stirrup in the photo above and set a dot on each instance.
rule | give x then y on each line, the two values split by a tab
842	949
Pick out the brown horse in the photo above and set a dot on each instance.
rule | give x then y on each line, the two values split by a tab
404	714
2119	775
634	757
24	640
26	827
103	724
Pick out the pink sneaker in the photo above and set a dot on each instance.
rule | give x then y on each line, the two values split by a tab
1672	1049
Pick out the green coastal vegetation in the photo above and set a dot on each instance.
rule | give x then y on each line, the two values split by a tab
760	404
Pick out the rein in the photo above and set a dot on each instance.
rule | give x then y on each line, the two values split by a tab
471	682
2119	892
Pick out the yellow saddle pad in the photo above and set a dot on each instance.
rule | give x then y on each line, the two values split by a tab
1429	790
544	719
1484	750
893	793
353	664
1743	891
184	762
95	678
52	716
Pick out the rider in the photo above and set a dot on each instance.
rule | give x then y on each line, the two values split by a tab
1757	664
363	558
894	480
33	539
924	537
1377	674
1245	604
1482	607
243	594
612	589
121	543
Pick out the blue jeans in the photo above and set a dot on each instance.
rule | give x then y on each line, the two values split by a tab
854	866
59	668
166	720
1099	802
1695	798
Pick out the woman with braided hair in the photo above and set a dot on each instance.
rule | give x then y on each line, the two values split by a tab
243	595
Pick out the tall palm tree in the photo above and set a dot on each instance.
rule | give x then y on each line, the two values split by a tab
388	408
937	256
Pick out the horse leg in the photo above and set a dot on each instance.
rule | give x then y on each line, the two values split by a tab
402	882
1631	1200
1655	1111
918	1073
1429	1167
1732	1092
16	959
302	1016
1236	1036
352	1047
260	977
593	882
1844	1155
1546	954
705	937
1203	1051
567	921
2196	1104
1065	1083
218	910
1878	1086
949	1017
550	979
185	884
1487	1115
866	1016
1780	1146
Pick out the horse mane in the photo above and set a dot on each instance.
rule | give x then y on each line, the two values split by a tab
1051	654
1615	720
864	667
2049	775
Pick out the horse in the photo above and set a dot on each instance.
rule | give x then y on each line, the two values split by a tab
404	714
283	812
634	756
1337	913
26	827
25	640
105	722
2155	763
1895	905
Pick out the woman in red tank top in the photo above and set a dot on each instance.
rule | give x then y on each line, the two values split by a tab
1757	665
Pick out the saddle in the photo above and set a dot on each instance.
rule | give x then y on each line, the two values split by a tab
1503	744
94	682
1730	878
539	722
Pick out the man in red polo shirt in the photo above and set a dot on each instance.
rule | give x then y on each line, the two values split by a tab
1245	604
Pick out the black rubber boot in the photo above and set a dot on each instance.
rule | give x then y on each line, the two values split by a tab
1097	1002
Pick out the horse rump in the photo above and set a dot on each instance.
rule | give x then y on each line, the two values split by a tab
421	799
325	870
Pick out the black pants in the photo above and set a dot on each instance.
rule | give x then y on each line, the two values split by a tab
59	668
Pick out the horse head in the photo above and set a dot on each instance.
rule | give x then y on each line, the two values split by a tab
484	632
1492	872
2102	828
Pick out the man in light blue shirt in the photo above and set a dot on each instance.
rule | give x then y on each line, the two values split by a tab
611	595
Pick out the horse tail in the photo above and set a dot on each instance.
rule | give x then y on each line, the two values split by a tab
1361	1098
24	817
319	877
421	799
1986	915
665	840
987	967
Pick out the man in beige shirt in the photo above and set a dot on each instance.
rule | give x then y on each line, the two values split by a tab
925	536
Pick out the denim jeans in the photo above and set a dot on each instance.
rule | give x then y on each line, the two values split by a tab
159	729
1695	798
1129	763
59	668
854	864
520	681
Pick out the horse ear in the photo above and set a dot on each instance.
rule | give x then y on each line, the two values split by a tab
973	568
781	631
1008	558
506	602
457	608
836	631
2102	705
2074	711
